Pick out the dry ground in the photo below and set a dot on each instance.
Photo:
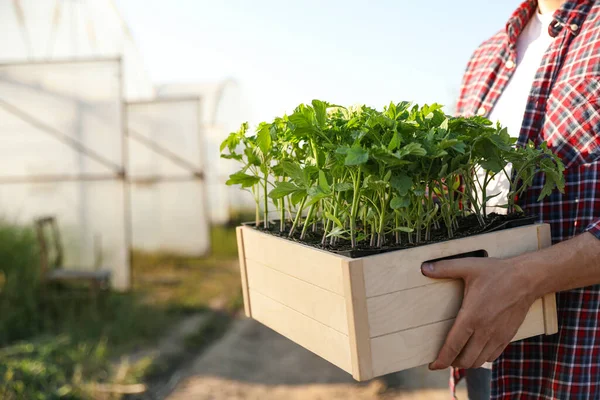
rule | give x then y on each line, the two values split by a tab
252	362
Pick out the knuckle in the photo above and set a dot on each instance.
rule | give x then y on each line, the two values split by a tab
454	348
462	362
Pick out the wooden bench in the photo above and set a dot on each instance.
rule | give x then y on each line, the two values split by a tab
51	259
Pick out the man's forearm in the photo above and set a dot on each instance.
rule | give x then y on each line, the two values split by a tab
568	265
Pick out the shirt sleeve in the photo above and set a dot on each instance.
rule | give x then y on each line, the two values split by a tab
594	228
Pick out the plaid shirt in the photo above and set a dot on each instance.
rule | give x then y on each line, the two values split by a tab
563	109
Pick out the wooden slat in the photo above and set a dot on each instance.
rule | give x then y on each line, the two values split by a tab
549	300
418	306
322	340
306	263
399	270
408	349
550	314
420	346
324	306
534	322
358	320
240	243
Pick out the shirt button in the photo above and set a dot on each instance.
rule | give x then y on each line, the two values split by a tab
510	64
481	111
574	27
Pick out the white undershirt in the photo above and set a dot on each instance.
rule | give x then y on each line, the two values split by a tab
510	106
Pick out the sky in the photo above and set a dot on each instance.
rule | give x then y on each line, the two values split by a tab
283	53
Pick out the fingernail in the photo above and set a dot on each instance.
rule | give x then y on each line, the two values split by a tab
433	366
427	267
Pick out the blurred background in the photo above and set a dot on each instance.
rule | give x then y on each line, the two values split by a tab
118	270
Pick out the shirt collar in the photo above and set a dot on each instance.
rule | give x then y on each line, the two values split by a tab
570	15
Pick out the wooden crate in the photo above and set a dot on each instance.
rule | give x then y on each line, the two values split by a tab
373	315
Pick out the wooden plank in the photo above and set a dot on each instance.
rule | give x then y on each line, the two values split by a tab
410	348
533	324
421	345
306	263
418	306
358	320
240	243
550	314
322	340
319	304
400	270
549	300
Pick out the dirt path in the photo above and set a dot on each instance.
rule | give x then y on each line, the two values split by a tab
252	362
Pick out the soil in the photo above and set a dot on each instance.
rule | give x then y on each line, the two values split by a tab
468	226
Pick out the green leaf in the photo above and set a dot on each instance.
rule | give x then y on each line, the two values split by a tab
323	184
240	178
315	191
252	157
234	156
356	156
316	196
335	220
444	125
374	184
283	189
338	232
296	173
402	183
387	176
394	142
298	196
411	149
492	165
399	202
264	139
320	111
487	198
343	186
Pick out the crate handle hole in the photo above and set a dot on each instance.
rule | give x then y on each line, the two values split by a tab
476	253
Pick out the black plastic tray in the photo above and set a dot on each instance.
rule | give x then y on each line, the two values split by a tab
358	253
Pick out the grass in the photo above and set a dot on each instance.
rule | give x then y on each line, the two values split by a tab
184	284
61	345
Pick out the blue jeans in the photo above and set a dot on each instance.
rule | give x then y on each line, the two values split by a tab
479	383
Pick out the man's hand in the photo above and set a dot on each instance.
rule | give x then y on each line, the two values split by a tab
496	300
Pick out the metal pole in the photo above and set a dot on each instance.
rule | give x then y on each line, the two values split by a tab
56	178
158	149
31	120
127	219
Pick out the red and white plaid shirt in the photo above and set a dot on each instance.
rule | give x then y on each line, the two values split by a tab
563	109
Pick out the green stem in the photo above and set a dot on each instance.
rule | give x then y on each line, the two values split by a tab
307	221
282	215
257	206
297	219
326	231
335	212
354	209
266	202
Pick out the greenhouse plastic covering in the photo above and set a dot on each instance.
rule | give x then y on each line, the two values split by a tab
62	155
36	30
221	111
165	170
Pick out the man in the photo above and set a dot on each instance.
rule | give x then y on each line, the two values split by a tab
540	77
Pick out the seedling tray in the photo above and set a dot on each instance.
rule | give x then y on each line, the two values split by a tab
376	314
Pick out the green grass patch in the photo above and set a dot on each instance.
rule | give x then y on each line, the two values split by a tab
59	342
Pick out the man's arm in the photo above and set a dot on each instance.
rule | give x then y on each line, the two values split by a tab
498	294
568	265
